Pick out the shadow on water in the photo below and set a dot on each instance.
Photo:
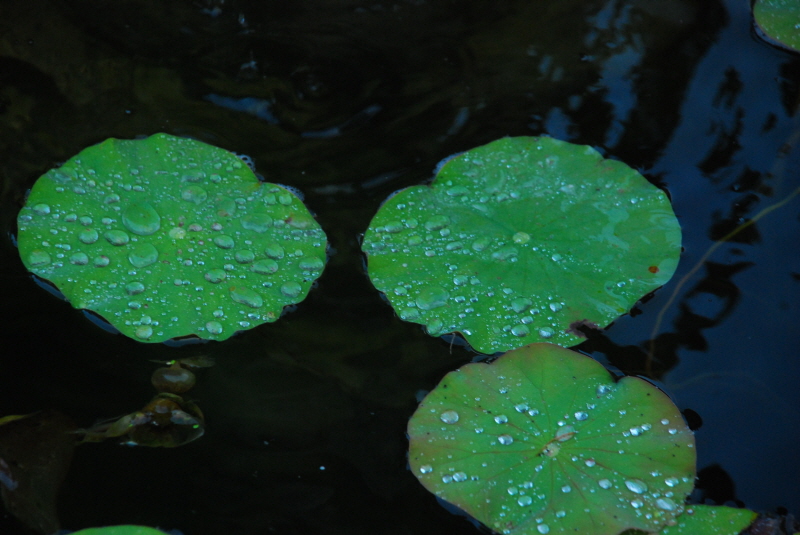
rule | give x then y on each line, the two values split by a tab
349	101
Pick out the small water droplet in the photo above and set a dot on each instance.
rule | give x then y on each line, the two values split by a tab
520	330
604	484
565	433
134	288
521	237
449	417
555	307
409	314
590	462
244	256
246	296
543	528
512	491
505	440
521	304
546	332
637	503
447	479
437	222
216	276
580	415
79	259
224	241
432	297
291	289
141	219
458	477
566	489
671	481
666	504
480	244
143	332
521	407
602	390
41	209
501	419
393	227
101	261
524	501
274	251
425	469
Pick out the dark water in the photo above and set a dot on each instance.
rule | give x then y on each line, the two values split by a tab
350	101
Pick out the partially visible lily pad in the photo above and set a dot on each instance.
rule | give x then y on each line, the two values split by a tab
711	520
120	530
780	20
543	440
168	237
523	240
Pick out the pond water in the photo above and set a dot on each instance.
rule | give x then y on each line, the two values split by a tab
350	101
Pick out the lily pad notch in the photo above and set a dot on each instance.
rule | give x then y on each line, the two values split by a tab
167	237
520	241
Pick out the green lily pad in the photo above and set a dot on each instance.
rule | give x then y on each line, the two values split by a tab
780	20
120	530
523	240
543	440
168	237
711	520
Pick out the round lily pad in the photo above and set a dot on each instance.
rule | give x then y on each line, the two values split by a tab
167	237
780	20
543	440
523	240
711	520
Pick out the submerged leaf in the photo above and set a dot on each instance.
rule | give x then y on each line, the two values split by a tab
523	240
543	440
167	237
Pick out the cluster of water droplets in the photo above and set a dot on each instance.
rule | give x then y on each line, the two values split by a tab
199	246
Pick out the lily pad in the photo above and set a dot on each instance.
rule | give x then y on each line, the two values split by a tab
780	20
543	440
711	520
120	530
523	240
167	237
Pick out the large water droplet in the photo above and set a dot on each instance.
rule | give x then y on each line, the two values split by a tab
505	439
141	218
214	327
257	222
311	264
134	288
117	237
521	237
437	222
636	485
265	267
524	501
246	296
194	194
101	261
274	251
581	415
501	419
449	417
604	484
432	297
41	209
143	332
520	330
666	504
425	469
546	332
143	254
216	275
37	257
244	256
521	304
79	259
224	241
88	236
543	528
291	289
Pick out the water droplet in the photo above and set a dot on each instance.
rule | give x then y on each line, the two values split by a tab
604	484
432	297
546	332
37	257
543	528
143	254
88	236
580	416
505	253
225	206
246	296
457	191
521	237
561	513
194	194
636	485
409	314
291	289
555	307
224	241
257	222
565	433
664	421
459	477
521	304
41	209
425	469
524	501
437	222
311	264
274	251
447	479
244	256
449	417
393	227
566	489
671	481
505	440
117	237
637	503
79	259
501	419
141	219
111	199
143	332
602	390
216	276
520	330
521	407
265	267
590	462
512	491
214	327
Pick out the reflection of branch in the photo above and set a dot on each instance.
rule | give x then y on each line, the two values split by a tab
704	258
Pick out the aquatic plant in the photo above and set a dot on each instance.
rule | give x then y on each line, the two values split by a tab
120	530
545	440
167	237
780	21
522	240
